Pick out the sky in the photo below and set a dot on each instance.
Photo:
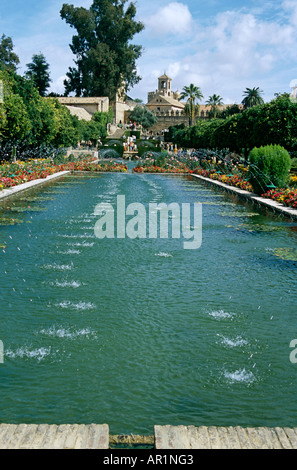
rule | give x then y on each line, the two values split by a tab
222	46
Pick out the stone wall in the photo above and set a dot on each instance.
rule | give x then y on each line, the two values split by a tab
91	105
165	120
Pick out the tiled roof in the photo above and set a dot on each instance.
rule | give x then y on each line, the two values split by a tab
166	100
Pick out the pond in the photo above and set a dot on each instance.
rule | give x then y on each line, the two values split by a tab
138	332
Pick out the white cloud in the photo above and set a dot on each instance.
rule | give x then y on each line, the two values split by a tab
174	18
290	7
227	53
58	85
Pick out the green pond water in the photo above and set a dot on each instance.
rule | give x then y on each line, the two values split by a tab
138	332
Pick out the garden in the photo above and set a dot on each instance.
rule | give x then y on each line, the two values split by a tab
239	150
18	172
269	171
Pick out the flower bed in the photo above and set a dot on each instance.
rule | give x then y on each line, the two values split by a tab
93	167
287	197
231	180
160	169
13	174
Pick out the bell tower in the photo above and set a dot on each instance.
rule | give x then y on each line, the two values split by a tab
164	85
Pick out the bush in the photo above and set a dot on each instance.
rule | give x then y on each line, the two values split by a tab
112	149
143	116
133	133
294	164
145	146
269	166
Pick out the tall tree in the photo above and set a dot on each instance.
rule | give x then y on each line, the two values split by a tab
191	111
214	101
191	93
8	58
105	57
252	97
38	72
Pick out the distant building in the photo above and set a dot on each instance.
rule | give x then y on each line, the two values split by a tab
166	105
84	108
164	100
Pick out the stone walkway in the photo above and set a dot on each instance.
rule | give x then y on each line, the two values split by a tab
96	436
191	437
51	436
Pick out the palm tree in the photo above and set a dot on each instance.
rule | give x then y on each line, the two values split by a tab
191	111
252	97
214	101
191	93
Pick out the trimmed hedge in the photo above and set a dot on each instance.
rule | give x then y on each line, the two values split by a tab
271	123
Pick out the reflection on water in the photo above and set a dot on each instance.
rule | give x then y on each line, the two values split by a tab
141	332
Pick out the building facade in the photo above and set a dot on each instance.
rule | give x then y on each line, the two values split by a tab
164	99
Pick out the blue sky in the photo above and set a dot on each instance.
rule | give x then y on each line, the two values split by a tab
223	46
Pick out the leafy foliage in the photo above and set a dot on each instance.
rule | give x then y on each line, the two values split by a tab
214	101
8	59
270	123
143	116
269	166
252	97
29	120
191	93
18	123
38	72
105	59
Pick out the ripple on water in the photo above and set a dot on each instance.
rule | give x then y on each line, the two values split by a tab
163	254
84	244
76	305
239	376
69	252
74	284
27	353
221	314
233	343
58	267
85	235
62	332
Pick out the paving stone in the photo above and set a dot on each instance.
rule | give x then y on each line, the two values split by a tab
212	437
6	434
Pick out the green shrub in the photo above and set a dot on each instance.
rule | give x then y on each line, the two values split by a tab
115	148
294	164
143	146
269	167
161	160
132	133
